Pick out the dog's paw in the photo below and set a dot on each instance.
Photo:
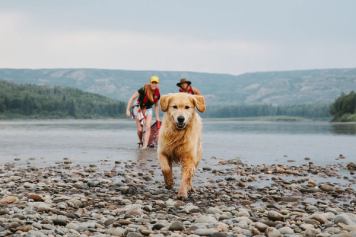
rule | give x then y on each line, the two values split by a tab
191	190
182	196
169	186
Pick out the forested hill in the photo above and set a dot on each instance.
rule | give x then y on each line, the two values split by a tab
283	88
344	108
32	101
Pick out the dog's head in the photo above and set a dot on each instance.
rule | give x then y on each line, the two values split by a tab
180	107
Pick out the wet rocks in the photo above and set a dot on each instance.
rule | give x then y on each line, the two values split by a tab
275	216
8	200
231	199
273	232
60	220
133	210
346	218
322	218
206	219
286	230
326	187
191	208
351	166
74	203
176	226
35	197
157	226
40	206
260	226
134	234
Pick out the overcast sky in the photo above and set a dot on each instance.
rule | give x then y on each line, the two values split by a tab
227	36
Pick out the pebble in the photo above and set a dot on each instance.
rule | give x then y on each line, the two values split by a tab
206	219
35	197
275	216
176	226
205	232
40	206
326	187
261	226
273	232
351	166
346	218
8	200
134	234
286	230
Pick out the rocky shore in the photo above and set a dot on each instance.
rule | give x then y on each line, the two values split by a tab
129	199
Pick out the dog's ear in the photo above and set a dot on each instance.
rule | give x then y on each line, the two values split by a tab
164	102
199	102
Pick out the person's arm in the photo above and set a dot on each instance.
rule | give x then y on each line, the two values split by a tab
129	103
196	91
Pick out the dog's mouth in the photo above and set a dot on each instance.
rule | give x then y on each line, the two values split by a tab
180	125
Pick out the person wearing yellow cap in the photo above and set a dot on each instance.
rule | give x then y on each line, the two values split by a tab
141	110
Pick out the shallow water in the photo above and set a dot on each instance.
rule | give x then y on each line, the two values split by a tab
253	142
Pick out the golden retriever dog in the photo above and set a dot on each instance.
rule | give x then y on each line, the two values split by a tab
180	138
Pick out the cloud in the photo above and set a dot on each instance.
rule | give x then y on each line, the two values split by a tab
118	49
10	21
26	44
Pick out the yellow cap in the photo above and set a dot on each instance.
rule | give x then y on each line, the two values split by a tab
154	78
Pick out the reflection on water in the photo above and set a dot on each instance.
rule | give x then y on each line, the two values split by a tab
262	127
234	126
343	128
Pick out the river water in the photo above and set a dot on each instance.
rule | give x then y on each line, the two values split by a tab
254	142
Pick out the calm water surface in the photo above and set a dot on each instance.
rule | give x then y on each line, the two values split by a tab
252	141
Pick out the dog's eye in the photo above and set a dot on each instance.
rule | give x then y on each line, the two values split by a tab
175	107
187	107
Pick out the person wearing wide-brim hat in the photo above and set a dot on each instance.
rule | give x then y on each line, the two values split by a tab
186	86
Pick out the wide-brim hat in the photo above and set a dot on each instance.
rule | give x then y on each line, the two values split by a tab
183	80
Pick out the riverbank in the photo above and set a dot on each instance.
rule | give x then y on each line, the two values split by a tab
345	118
128	198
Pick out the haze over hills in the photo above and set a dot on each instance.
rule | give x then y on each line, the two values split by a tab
276	88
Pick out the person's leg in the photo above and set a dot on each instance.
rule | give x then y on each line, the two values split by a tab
147	130
139	130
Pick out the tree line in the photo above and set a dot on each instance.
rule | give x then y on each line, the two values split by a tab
33	101
44	102
306	110
344	107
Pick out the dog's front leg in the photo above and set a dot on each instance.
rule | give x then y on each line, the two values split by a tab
188	169
166	166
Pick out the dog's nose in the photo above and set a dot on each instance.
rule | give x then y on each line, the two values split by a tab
180	119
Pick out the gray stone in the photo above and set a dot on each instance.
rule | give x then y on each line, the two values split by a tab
286	230
206	219
273	232
275	216
346	218
205	232
134	234
176	226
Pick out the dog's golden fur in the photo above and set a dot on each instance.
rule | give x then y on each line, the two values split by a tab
180	143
